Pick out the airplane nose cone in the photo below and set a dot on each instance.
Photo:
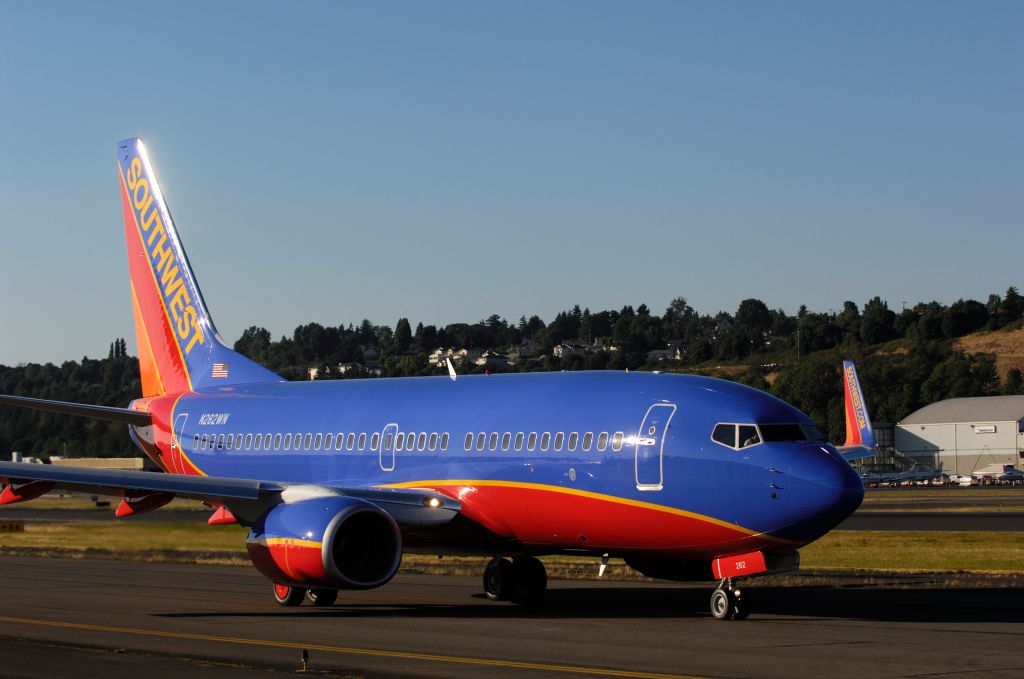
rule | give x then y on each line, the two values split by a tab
825	488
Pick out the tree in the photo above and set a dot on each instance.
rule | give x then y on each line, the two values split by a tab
878	324
403	336
964	317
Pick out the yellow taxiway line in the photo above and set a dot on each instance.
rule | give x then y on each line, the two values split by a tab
345	650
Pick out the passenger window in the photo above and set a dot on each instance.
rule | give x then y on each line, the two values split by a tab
287	441
318	441
588	440
374	440
573	438
748	435
259	442
410	443
531	442
195	441
506	441
388	438
248	441
602	441
350	441
469	440
481	439
494	441
444	441
724	434
266	440
432	444
362	441
559	438
307	442
202	442
231	442
519	441
328	441
617	441
400	440
421	441
277	442
339	441
238	441
545	440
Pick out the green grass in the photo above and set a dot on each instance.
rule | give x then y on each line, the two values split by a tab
839	550
128	536
916	551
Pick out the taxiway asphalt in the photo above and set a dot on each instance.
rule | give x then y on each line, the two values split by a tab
96	618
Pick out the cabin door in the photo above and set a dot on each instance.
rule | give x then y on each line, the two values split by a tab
178	443
387	447
650	446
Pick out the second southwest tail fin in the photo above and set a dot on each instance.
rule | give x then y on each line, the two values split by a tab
179	348
858	423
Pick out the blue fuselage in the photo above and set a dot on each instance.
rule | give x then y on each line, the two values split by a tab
523	451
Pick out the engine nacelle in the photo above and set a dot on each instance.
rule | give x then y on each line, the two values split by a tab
336	542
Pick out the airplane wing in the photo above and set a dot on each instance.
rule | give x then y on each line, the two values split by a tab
247	499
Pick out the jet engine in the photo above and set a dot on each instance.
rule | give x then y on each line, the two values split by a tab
335	542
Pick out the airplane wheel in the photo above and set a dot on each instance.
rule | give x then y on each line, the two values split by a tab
721	605
741	605
531	579
288	596
322	597
499	579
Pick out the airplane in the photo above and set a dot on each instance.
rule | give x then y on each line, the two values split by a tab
684	477
860	436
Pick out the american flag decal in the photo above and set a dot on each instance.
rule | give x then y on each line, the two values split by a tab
219	370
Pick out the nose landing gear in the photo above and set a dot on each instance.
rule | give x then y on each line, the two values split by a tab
729	602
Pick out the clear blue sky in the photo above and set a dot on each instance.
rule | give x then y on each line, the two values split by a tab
445	161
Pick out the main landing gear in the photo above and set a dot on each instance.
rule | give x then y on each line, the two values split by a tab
728	602
522	580
293	596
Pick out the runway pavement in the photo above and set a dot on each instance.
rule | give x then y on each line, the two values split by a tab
101	618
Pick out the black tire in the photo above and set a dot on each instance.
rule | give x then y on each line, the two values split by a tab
322	597
722	606
499	579
288	596
531	580
741	605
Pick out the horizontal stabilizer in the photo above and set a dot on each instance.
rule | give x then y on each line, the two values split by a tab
135	417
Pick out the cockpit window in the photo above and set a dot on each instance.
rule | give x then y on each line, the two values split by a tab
725	434
736	436
748	435
790	432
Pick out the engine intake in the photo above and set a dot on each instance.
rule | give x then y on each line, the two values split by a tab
337	542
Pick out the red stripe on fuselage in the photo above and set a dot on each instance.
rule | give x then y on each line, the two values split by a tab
546	516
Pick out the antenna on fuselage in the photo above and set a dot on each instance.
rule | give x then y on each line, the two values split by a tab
451	369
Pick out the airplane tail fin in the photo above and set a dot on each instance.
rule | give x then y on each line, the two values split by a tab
858	423
179	348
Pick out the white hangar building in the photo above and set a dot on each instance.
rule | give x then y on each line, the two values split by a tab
961	435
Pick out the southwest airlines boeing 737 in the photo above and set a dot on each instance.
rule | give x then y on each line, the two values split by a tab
684	477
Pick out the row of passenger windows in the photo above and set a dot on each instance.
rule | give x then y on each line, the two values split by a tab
570	441
409	441
307	441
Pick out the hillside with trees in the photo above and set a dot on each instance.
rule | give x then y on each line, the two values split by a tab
906	359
